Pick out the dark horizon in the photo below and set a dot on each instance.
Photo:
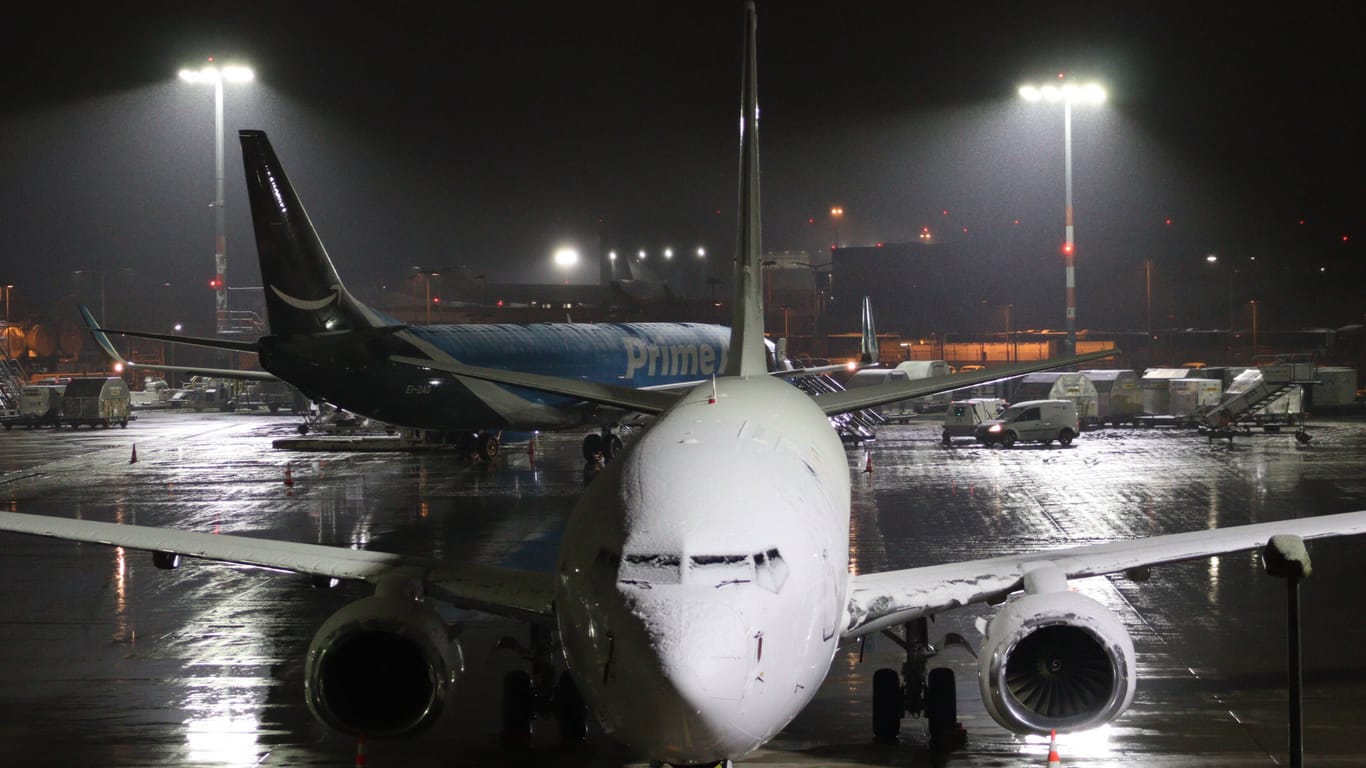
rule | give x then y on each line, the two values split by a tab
487	137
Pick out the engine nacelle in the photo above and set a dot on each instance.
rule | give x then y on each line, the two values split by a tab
381	667
1056	660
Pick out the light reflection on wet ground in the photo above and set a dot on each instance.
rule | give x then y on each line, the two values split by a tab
108	661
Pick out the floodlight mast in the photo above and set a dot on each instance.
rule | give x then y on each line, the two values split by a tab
214	75
1067	93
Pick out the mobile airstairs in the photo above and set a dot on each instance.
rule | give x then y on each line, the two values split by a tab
1268	396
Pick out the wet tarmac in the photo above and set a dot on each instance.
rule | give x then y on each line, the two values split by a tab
105	660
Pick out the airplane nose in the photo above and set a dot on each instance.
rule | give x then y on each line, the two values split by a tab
690	676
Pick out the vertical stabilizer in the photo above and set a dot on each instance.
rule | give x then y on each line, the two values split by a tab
747	356
303	293
868	347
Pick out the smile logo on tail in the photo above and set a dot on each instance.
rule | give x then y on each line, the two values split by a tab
307	305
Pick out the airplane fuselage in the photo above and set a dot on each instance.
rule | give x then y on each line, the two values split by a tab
351	369
702	576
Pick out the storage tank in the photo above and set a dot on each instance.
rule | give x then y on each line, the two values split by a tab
16	342
43	340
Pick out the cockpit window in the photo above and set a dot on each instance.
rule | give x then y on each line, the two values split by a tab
766	569
650	569
770	570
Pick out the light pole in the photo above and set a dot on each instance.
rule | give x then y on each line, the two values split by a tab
8	288
214	75
837	213
1067	93
175	331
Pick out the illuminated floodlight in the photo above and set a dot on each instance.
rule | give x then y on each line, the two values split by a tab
668	253
1089	93
232	73
701	252
611	255
566	257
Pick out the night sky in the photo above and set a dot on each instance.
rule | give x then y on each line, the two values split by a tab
486	135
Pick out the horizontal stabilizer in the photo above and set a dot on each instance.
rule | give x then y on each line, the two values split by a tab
846	401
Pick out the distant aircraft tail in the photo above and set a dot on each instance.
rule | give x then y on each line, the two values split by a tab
303	293
868	347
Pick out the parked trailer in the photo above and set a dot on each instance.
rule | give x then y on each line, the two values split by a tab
1119	395
1060	385
96	401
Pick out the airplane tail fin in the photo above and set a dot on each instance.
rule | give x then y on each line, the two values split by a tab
303	293
100	338
748	354
868	347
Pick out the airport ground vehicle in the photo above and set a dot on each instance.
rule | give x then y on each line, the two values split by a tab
1032	420
962	416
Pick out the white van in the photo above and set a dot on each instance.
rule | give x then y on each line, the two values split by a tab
1032	420
962	416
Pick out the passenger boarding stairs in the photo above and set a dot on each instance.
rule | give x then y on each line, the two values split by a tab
1247	404
12	379
856	426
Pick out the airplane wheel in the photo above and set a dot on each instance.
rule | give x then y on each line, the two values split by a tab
488	447
592	447
941	704
570	711
887	704
303	429
613	446
518	704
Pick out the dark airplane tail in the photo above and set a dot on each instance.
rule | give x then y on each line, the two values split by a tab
869	351
303	293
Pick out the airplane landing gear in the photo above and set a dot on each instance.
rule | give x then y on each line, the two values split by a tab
542	691
931	693
602	447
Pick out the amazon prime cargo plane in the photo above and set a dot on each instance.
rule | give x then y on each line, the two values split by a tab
696	619
334	348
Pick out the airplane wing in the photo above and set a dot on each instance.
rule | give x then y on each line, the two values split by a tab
647	401
835	403
880	600
518	594
102	339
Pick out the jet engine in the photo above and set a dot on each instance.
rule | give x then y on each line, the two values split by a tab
1055	660
381	667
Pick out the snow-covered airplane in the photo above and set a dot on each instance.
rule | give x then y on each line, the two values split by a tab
696	619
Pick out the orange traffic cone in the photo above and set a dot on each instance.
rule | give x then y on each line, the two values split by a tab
134	460
360	752
1053	748
289	476
868	465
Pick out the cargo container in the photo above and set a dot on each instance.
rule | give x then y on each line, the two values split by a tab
1060	385
96	401
1119	395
